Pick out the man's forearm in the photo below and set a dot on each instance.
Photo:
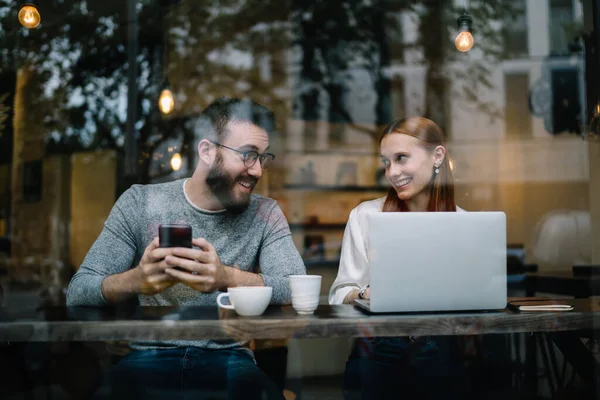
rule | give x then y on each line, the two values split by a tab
237	277
119	287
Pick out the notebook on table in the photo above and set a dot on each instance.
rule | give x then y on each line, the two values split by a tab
538	304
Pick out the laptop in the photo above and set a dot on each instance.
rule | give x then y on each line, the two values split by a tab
436	261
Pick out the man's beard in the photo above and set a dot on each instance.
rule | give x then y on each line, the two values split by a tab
222	186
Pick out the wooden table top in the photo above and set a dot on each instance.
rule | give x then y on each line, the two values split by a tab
170	323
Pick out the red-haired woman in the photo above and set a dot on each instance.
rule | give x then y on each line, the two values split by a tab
414	154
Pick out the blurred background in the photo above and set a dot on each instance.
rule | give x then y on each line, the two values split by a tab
104	94
82	117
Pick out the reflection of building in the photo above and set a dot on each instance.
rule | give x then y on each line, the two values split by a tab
6	122
506	162
509	163
53	200
55	204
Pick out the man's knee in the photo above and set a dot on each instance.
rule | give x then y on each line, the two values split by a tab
250	380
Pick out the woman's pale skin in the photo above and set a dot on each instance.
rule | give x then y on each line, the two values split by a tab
408	167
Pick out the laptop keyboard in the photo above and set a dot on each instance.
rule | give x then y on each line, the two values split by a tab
363	302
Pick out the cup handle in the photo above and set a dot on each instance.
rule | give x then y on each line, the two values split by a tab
228	306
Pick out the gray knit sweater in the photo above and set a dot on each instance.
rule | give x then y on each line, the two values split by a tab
260	236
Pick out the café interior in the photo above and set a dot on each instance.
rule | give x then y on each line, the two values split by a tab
513	85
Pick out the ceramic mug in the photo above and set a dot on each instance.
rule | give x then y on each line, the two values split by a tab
247	300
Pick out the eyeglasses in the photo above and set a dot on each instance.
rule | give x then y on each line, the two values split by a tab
250	157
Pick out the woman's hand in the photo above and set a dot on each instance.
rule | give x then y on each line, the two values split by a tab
353	295
367	294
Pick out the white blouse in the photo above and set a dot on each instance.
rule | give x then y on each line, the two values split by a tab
353	272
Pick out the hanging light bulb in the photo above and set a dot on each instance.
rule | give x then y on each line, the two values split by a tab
166	103
176	161
464	40
29	16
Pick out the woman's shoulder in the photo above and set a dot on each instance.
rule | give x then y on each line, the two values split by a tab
375	205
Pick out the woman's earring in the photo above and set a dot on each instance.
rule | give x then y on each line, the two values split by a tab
437	169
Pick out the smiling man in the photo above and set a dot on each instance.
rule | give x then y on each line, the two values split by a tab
235	232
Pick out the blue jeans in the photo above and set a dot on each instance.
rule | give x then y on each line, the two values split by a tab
191	373
401	368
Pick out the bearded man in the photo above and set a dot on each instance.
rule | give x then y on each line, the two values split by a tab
240	239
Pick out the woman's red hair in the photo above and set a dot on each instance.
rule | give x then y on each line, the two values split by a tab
441	187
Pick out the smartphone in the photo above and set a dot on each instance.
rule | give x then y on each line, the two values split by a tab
175	235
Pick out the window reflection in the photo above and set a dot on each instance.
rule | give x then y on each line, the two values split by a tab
80	123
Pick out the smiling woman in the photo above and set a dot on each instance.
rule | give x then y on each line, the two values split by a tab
416	161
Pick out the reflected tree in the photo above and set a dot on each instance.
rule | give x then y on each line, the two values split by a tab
79	54
5	126
281	53
4	110
336	39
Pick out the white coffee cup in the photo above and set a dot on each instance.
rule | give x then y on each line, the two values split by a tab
306	292
247	301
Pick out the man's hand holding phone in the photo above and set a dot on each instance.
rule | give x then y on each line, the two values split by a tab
169	259
201	268
151	277
150	272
